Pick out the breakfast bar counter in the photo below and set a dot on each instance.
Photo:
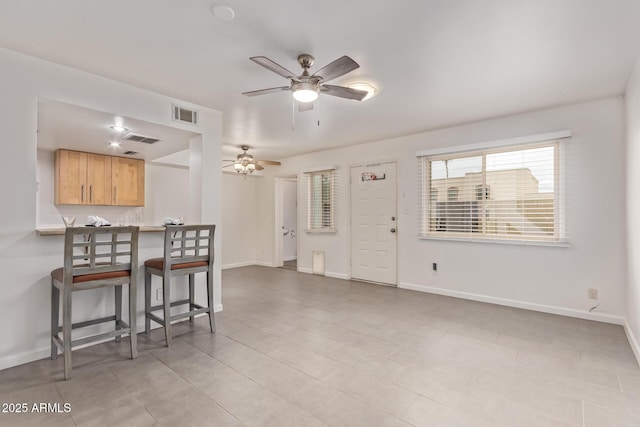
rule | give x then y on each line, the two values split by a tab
59	231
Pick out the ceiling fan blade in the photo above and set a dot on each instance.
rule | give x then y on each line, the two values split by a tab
276	68
266	91
259	168
268	162
337	68
229	165
305	106
344	92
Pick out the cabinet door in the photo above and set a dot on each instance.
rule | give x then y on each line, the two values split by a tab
98	179
128	181
71	178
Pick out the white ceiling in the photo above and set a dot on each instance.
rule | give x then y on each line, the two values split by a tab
436	62
72	127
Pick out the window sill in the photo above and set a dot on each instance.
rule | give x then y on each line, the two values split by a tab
557	244
326	231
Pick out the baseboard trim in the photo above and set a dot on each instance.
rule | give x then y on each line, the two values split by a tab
21	359
336	275
632	341
264	264
563	311
247	264
290	258
31	356
238	264
305	270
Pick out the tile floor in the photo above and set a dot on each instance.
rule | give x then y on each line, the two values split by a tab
294	349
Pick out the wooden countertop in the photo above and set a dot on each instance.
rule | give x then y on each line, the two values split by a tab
60	230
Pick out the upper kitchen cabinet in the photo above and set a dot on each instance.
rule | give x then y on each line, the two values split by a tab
70	178
95	179
128	181
99	179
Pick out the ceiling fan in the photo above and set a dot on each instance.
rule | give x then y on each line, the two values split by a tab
246	164
306	86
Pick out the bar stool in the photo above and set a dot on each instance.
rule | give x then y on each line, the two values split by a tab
94	257
188	249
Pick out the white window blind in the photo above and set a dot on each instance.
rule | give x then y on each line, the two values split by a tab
507	193
321	189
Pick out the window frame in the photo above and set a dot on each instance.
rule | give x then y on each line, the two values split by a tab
312	210
425	230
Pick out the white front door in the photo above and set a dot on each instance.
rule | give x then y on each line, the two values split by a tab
374	223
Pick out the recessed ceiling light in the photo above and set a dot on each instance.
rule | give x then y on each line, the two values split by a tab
367	87
114	144
118	128
223	12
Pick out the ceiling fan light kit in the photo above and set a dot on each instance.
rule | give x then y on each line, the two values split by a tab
306	87
245	164
305	92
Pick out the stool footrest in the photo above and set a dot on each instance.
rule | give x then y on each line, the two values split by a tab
126	330
200	309
155	318
173	304
92	322
190	313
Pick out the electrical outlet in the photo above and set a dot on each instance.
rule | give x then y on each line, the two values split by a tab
159	294
593	293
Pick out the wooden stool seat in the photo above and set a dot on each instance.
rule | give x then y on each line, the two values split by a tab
158	264
58	275
188	250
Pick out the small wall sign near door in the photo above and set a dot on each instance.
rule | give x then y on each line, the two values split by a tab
371	176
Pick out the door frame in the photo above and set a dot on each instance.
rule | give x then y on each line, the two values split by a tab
278	256
349	244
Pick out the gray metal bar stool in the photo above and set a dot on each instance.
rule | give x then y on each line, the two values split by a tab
94	257
188	249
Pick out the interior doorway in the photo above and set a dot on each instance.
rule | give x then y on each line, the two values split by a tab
374	223
287	226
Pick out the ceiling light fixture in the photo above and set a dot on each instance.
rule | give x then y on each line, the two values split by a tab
223	12
119	128
367	87
305	92
114	144
244	167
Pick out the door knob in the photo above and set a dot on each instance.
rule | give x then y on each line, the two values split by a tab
393	230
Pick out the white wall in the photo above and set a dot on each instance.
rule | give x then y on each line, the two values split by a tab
239	213
165	194
27	259
289	219
633	209
553	279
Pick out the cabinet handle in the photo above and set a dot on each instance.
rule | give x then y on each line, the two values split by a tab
82	194
91	194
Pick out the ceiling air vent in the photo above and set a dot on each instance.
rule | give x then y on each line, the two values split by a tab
130	153
140	138
184	115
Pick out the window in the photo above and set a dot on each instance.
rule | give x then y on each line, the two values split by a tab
321	201
480	194
497	194
452	194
